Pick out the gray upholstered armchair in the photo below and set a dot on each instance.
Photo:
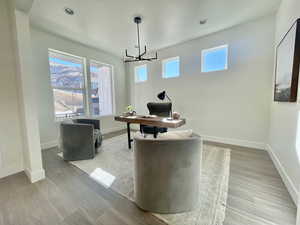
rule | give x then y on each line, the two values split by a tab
80	139
167	173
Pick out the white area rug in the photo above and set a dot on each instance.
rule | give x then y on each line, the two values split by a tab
113	168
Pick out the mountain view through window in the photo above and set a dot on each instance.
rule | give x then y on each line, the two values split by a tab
67	80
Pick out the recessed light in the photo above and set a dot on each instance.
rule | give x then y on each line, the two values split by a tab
69	11
202	22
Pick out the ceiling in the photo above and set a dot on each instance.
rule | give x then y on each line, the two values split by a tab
108	24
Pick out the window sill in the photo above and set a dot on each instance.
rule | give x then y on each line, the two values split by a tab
59	120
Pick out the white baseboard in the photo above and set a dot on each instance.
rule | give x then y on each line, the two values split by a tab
54	143
35	176
284	176
230	141
10	171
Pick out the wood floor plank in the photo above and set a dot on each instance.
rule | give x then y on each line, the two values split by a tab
77	218
271	214
236	217
113	217
57	198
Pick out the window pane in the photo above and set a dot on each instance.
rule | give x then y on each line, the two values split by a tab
68	103
141	73
171	68
66	71
214	59
101	84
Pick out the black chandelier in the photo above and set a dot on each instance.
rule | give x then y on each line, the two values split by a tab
130	58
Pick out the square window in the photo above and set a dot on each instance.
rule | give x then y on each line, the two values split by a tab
171	67
140	73
215	59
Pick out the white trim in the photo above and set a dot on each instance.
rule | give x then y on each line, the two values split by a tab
284	175
86	90
176	58
230	141
5	172
213	49
67	88
113	90
136	80
35	176
65	53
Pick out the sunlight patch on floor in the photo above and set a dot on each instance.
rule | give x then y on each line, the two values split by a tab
102	177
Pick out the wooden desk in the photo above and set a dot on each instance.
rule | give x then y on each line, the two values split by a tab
154	121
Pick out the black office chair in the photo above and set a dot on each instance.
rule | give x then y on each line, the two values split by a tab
158	109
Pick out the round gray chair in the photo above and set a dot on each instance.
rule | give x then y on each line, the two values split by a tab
167	173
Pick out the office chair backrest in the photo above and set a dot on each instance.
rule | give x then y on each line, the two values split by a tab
160	109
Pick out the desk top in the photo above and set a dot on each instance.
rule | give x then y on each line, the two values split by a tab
155	121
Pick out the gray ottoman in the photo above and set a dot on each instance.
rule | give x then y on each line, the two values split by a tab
167	173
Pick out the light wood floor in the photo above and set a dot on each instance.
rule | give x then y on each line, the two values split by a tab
69	197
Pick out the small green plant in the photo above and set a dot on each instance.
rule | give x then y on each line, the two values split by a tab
129	108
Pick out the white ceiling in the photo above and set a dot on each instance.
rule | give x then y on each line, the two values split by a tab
108	24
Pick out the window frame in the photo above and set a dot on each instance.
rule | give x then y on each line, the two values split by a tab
226	46
112	88
136	75
86	87
165	61
83	89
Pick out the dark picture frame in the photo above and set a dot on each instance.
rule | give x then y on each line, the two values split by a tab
287	65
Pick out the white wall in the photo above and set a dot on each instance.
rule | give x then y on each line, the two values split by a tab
230	106
11	155
41	41
284	143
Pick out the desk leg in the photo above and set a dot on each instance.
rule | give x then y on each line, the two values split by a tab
128	135
155	132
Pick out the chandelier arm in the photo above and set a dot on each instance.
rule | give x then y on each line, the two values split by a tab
130	56
153	58
145	51
132	60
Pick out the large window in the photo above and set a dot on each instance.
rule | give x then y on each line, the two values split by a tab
101	89
140	73
67	80
73	96
170	68
215	59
